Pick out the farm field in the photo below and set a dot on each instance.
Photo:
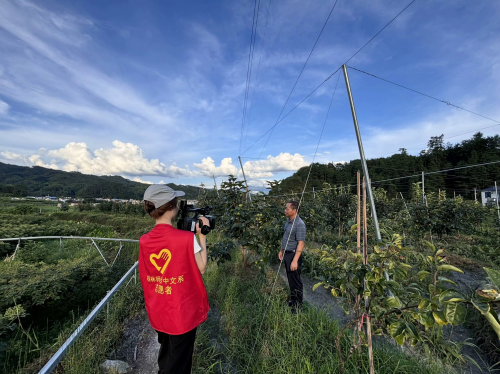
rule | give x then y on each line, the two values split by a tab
433	291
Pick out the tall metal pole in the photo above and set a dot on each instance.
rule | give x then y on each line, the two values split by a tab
423	188
215	182
362	155
245	178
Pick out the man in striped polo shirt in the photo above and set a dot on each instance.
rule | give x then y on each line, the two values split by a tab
292	245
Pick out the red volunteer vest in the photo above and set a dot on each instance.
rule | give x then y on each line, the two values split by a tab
176	299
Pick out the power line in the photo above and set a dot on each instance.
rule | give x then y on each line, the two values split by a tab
258	66
383	28
300	201
250	62
300	74
398	178
322	83
424	94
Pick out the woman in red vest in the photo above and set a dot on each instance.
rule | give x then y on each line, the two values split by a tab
171	263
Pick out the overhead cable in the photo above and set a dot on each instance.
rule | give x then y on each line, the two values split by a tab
298	208
258	69
322	83
424	94
249	67
300	74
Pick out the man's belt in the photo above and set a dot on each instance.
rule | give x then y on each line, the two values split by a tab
290	251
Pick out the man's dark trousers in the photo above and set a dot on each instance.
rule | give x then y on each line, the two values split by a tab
294	281
176	352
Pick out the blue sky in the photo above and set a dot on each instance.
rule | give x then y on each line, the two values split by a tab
154	90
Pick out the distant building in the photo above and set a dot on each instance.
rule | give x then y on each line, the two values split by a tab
489	196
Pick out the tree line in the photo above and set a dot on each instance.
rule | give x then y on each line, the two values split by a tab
20	181
437	156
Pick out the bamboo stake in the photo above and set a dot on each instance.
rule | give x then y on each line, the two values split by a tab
365	262
359	213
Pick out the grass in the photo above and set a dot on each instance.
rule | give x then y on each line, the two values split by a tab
301	343
103	335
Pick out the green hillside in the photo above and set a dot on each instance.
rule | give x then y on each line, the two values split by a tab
39	181
437	156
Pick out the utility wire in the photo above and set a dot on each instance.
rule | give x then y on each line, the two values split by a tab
300	201
423	94
250	62
322	83
258	67
300	74
393	179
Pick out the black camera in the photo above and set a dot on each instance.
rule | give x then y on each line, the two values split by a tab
188	223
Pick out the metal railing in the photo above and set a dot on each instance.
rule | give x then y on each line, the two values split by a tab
92	239
61	352
59	355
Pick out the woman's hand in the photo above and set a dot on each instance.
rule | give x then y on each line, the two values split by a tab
205	223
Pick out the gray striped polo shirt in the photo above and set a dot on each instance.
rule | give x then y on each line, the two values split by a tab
298	233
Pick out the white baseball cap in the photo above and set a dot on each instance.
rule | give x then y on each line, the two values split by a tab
159	194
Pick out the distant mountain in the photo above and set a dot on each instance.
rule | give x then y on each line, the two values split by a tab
37	181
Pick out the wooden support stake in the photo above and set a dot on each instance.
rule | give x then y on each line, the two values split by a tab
359	213
365	262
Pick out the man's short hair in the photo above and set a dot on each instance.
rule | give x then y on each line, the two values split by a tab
294	205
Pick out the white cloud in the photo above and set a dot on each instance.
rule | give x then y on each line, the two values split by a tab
123	158
137	179
12	156
208	168
4	107
36	160
129	160
266	168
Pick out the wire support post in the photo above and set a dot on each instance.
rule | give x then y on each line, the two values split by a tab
215	184
362	155
245	178
496	199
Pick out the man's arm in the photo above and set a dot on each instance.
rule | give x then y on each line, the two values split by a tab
300	236
295	263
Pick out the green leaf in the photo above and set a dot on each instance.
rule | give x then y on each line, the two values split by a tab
395	285
422	274
451	296
494	276
484	308
396	328
410	327
439	252
423	304
444	279
334	293
439	317
449	268
455	313
317	285
430	245
400	339
392	302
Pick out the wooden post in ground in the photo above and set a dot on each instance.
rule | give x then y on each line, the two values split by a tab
359	213
338	208
365	262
